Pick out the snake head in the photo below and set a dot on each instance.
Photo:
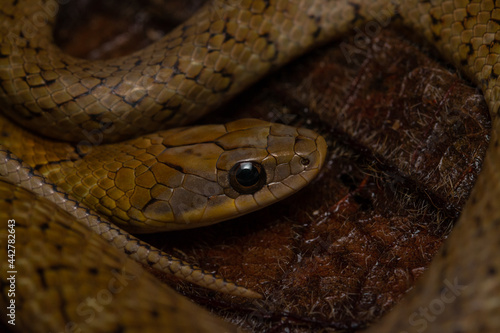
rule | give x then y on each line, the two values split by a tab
207	174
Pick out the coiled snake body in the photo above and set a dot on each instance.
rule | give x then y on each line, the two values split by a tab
207	60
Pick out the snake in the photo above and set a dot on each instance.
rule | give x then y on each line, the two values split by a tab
218	52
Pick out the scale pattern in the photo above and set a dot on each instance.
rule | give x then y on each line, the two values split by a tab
229	45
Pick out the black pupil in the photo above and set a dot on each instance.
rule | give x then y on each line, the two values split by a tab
247	174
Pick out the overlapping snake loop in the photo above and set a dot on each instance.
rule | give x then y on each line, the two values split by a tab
196	67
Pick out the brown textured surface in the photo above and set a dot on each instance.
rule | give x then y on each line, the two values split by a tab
83	27
459	315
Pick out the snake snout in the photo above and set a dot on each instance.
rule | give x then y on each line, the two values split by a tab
310	149
299	154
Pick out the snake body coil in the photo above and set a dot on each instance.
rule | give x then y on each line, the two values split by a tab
202	63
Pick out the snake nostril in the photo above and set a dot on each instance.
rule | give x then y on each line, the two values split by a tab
305	161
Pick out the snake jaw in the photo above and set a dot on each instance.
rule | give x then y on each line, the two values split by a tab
281	159
289	157
181	178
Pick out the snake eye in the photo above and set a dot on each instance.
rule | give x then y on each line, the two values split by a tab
247	177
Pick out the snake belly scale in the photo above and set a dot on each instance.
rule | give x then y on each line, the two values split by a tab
195	68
